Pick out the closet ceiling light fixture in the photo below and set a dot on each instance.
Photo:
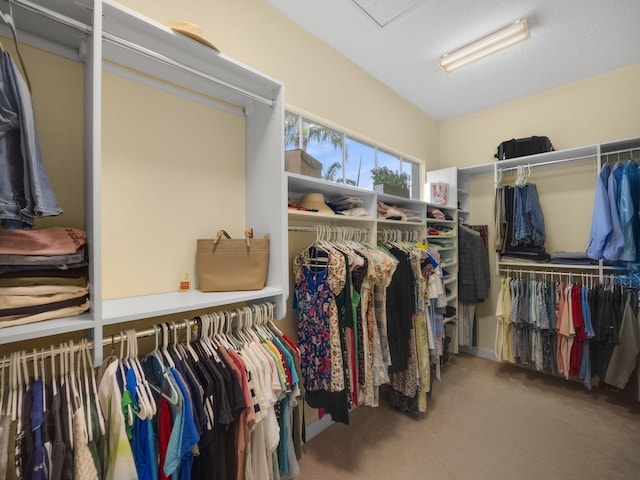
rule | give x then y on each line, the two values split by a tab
515	33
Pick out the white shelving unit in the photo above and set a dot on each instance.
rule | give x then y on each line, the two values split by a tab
105	36
588	153
299	185
459	180
449	258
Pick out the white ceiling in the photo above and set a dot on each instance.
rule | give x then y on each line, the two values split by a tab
570	40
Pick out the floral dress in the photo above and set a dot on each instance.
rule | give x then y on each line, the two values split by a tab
321	359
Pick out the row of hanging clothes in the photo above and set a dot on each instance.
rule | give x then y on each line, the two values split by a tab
569	325
615	225
370	319
519	221
220	403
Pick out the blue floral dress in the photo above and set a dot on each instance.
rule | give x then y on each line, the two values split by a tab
316	287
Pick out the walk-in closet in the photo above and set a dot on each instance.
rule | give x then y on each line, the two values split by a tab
287	239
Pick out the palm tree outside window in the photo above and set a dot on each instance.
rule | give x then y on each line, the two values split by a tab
344	159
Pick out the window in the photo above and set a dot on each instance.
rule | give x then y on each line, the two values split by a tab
345	159
361	158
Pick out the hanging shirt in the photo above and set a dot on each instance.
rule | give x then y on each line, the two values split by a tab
615	242
628	211
119	462
601	227
184	434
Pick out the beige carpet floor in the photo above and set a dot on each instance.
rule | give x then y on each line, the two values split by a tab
487	421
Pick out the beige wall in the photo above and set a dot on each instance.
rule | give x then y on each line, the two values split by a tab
602	108
154	210
317	78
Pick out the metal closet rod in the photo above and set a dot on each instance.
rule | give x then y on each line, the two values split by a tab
174	63
544	164
334	229
618	152
549	272
58	17
27	5
109	340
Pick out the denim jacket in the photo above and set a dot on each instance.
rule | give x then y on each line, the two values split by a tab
25	192
528	228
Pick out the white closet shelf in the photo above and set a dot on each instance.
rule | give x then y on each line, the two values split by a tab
303	184
396	223
46	327
399	201
435	220
61	23
442	237
557	156
440	248
447	281
143	45
146	306
549	266
440	206
449	319
311	216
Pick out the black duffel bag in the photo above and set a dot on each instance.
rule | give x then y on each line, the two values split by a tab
520	147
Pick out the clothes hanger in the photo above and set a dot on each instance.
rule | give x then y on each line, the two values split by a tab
142	406
188	347
13	387
64	377
52	365
237	333
144	391
74	379
173	397
174	346
252	326
146	404
219	337
155	353
22	384
229	334
128	413
206	334
87	392
165	346
94	389
260	321
2	385
211	337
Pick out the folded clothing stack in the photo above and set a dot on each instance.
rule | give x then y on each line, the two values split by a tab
389	212
441	230
348	205
572	258
43	275
438	214
412	215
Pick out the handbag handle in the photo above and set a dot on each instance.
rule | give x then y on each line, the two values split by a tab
248	233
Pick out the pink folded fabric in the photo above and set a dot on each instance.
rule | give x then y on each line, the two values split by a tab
46	241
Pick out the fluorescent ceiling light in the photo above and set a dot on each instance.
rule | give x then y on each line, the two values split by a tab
515	33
